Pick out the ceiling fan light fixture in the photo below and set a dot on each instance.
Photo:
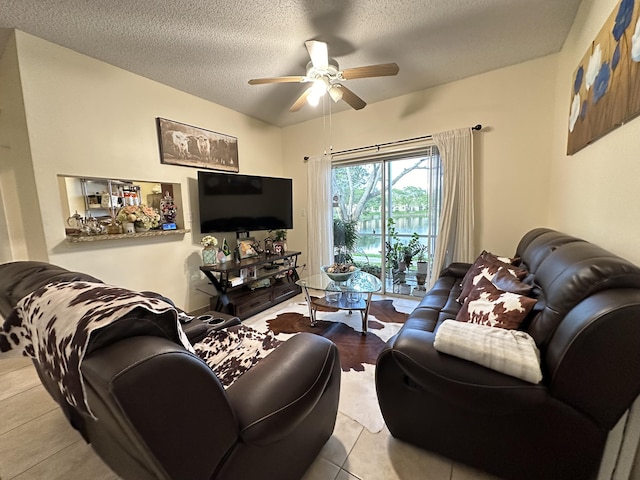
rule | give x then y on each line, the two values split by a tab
325	75
335	92
318	89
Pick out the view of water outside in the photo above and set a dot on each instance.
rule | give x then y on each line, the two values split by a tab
407	207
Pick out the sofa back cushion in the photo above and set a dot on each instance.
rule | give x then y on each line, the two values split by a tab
536	245
569	274
19	279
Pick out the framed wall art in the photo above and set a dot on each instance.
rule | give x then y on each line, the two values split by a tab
189	146
605	89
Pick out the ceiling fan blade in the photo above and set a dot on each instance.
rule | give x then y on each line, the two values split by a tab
319	54
302	99
382	70
291	79
352	99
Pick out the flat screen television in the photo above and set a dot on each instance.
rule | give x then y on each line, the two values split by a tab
244	203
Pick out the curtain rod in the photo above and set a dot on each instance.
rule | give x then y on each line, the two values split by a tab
414	139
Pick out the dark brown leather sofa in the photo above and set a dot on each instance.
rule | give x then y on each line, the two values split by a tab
161	413
587	328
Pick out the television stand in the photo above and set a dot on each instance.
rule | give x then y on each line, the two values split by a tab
253	284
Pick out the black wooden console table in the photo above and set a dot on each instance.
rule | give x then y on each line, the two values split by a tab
253	284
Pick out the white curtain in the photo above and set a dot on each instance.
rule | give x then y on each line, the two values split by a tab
455	232
319	215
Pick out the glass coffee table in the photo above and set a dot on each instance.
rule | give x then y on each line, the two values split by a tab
353	294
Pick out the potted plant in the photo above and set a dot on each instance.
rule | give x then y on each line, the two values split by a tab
422	257
394	246
345	236
412	249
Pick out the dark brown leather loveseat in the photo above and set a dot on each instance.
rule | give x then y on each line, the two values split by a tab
586	326
161	413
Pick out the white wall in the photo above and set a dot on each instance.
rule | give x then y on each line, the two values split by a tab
515	105
594	193
88	118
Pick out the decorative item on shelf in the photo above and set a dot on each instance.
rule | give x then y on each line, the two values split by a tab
279	248
75	223
128	227
209	250
279	237
246	248
168	210
268	245
92	226
225	252
113	228
144	218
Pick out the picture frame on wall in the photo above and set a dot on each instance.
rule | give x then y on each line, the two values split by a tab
189	146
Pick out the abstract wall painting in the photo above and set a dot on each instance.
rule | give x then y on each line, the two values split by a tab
606	85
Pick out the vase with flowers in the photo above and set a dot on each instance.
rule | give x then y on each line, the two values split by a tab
209	250
144	218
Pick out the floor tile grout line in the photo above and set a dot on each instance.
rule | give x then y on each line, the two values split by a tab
72	444
28	366
38	385
53	409
351	450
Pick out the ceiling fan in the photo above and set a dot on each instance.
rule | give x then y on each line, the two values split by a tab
325	76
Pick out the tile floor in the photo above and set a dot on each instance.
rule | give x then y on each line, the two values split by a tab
36	442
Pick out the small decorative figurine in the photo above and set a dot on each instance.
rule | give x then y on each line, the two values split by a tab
168	209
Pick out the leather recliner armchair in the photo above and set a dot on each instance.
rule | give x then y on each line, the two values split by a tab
161	413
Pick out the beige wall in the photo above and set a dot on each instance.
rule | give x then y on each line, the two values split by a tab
595	192
84	117
515	105
88	118
20	239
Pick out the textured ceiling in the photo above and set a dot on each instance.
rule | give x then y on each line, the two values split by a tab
212	48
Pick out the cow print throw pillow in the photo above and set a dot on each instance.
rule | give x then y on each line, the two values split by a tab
488	305
486	266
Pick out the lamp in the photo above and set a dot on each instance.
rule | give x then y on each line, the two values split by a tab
317	90
335	92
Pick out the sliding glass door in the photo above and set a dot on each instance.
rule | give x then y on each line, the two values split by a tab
386	215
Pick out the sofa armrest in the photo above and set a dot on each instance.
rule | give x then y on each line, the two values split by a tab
277	394
455	269
151	395
460	381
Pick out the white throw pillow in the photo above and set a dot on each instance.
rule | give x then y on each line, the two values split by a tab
513	352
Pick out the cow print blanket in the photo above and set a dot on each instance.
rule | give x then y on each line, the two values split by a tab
231	352
55	323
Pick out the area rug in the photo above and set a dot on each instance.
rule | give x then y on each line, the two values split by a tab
358	352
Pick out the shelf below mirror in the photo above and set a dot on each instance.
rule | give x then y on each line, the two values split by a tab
121	236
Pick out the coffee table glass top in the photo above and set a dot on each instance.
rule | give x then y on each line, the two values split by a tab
359	282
